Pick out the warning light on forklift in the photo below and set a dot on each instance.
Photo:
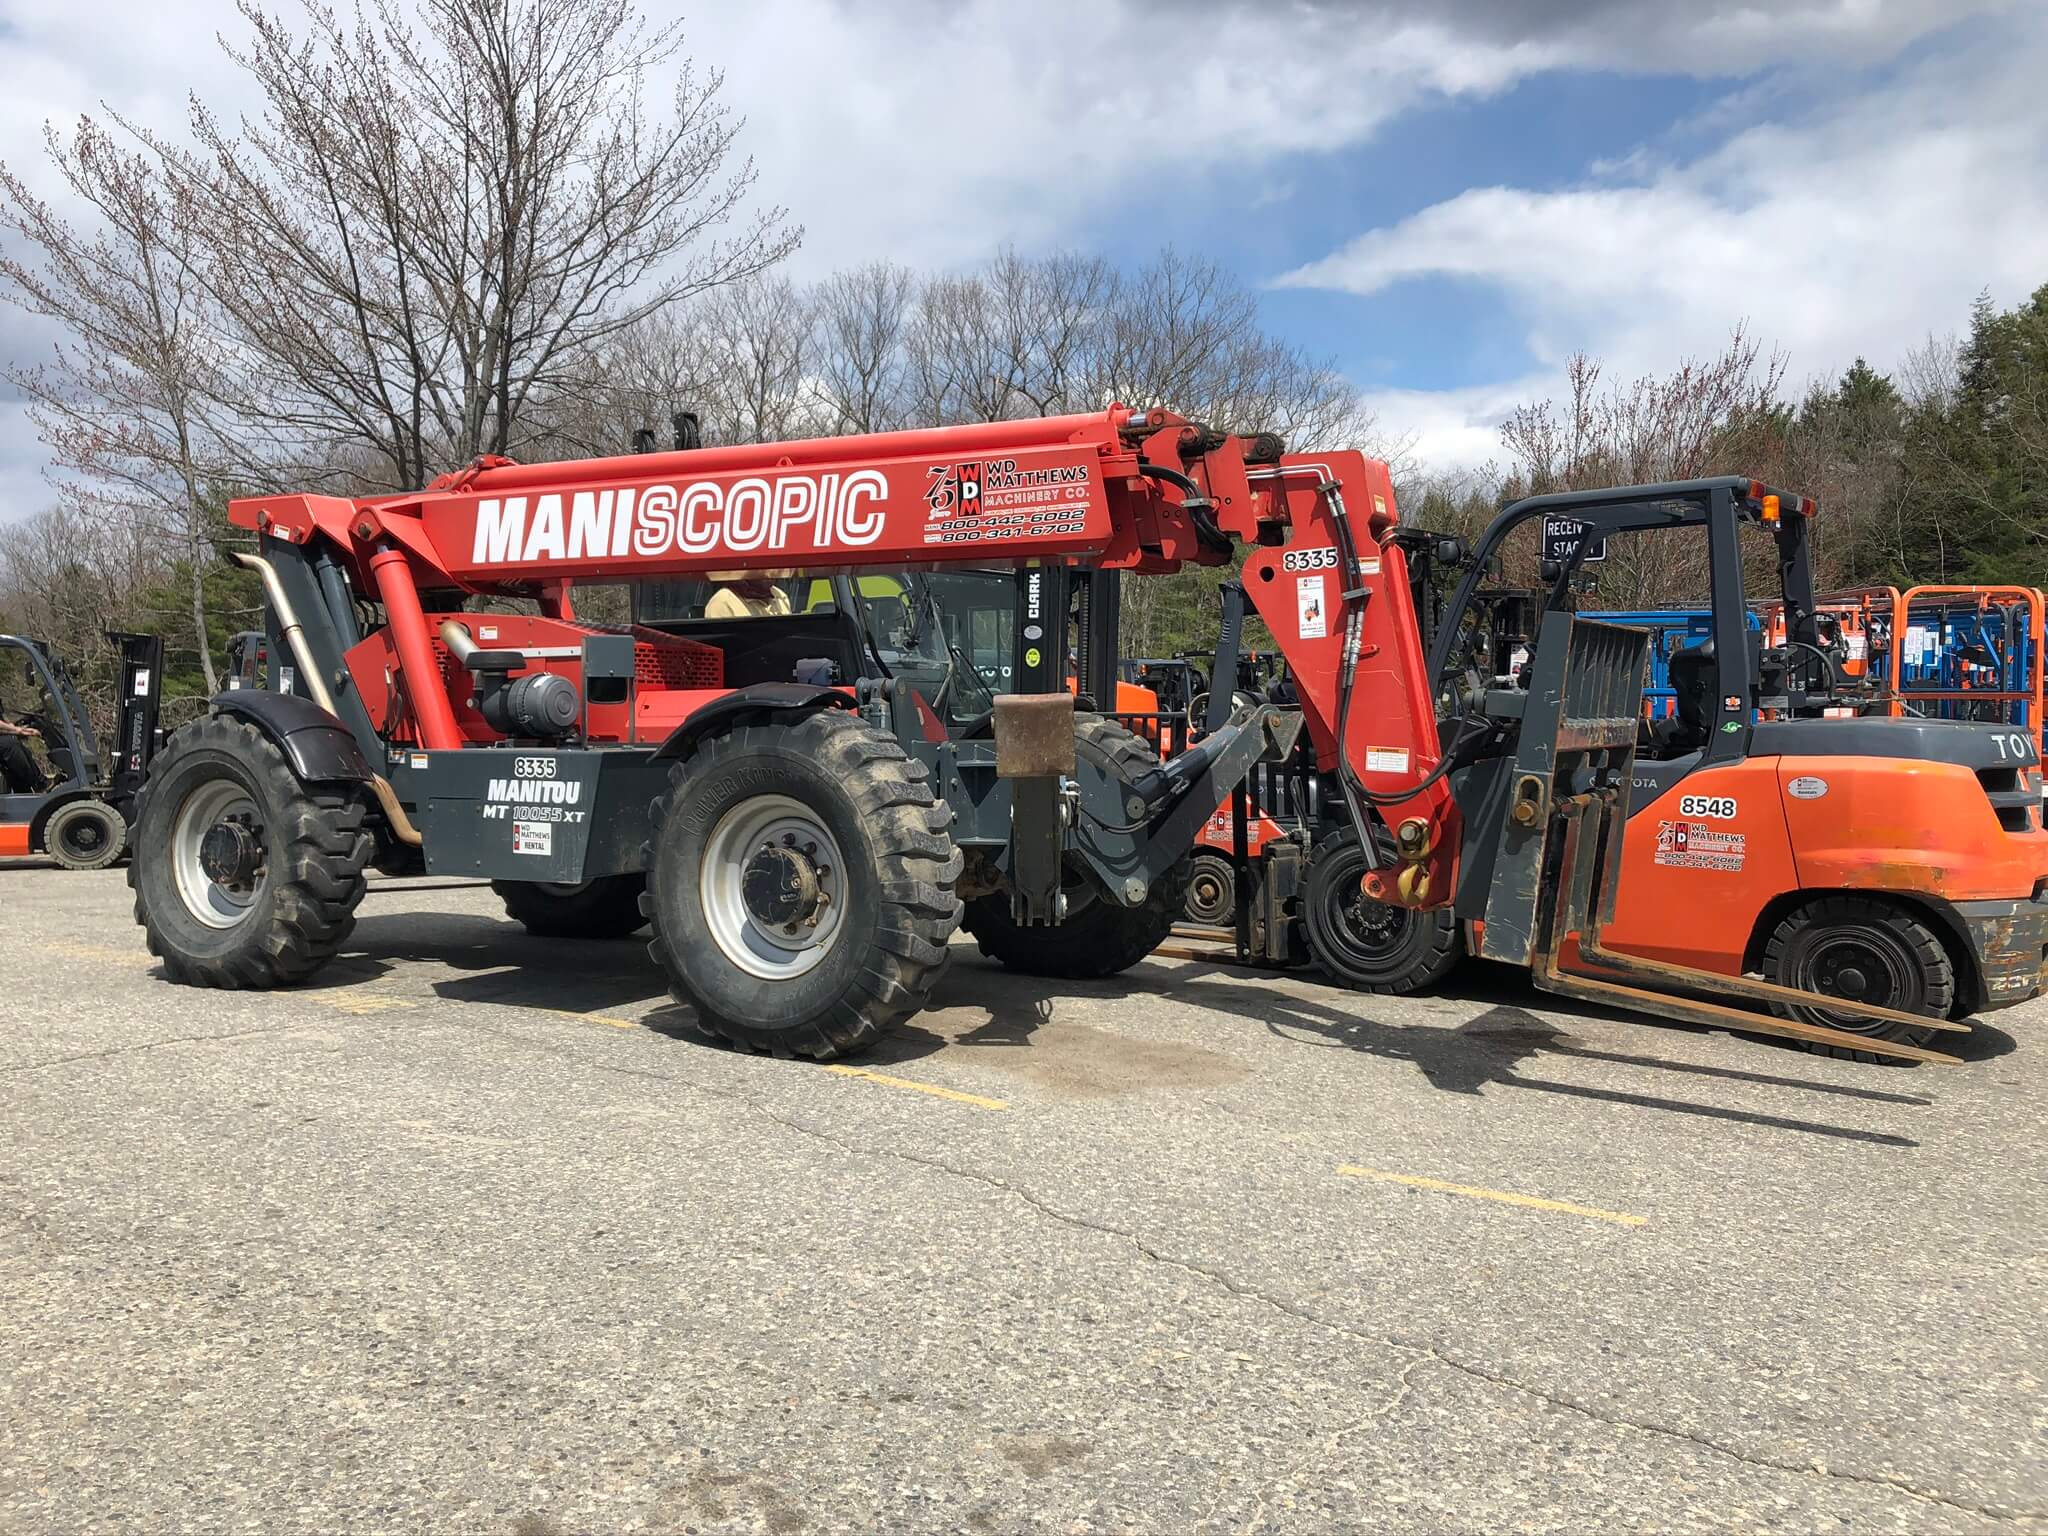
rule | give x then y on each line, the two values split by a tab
1771	508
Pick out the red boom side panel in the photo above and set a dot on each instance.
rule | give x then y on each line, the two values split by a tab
1390	736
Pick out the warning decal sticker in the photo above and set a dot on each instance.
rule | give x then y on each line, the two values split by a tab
1308	598
1695	845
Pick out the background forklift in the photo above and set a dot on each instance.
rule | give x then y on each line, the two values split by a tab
1780	823
80	812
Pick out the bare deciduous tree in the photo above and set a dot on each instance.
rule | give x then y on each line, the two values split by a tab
1705	417
862	318
758	336
65	580
435	220
877	347
132	403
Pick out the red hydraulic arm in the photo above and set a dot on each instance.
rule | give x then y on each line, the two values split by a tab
1143	491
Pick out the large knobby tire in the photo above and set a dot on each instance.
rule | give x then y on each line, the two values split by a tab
1367	945
1212	891
243	876
1099	938
771	817
85	834
607	907
1851	946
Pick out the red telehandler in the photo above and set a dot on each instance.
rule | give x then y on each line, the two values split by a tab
805	806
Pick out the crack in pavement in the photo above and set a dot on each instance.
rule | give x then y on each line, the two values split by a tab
345	1020
1424	1353
1403	1385
145	1045
1873	1479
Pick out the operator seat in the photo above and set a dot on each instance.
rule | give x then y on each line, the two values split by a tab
1695	674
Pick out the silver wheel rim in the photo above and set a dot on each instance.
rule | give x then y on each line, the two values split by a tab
211	903
771	952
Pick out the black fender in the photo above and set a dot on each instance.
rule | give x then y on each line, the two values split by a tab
772	701
320	749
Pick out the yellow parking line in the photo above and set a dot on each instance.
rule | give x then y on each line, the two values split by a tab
588	1018
915	1087
1532	1202
361	1002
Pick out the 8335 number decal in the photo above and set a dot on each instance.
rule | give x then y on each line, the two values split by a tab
1324	559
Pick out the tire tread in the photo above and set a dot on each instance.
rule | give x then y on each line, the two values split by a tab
916	868
317	875
1112	938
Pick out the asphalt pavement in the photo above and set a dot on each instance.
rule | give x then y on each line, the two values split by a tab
474	1234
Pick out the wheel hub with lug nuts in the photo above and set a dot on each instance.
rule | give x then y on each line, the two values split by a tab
783	887
231	854
773	885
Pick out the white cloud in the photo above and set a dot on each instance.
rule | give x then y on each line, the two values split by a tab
932	133
1707	37
1854	230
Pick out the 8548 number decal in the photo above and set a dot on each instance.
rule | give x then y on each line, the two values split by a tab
1714	807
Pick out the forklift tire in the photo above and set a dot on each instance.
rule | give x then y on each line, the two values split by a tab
607	907
1098	938
1850	946
800	882
85	834
243	876
1367	945
1212	891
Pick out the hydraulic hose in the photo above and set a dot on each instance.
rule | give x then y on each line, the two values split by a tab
1356	795
1197	506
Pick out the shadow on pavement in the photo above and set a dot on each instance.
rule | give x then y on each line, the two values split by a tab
1492	1050
505	964
1496	1050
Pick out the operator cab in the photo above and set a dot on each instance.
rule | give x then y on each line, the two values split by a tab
1722	677
1733	693
948	633
38	693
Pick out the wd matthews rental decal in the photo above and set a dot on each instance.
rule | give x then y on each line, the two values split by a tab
994	499
535	802
1694	844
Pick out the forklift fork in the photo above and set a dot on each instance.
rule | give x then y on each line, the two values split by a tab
1558	872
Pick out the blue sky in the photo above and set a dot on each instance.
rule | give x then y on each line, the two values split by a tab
1447	198
1431	333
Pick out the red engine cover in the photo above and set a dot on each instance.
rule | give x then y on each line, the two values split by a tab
662	664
